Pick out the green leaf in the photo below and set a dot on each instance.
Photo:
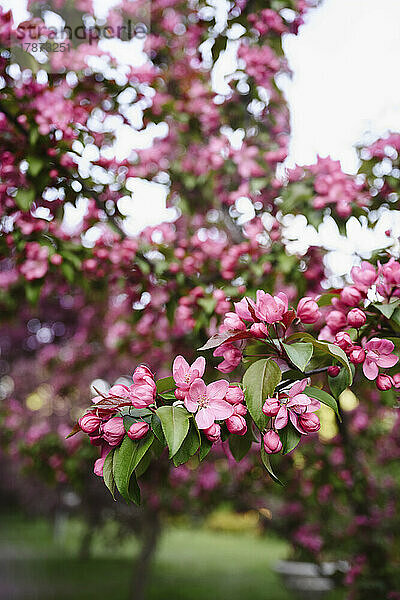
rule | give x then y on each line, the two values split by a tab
299	354
126	457
260	381
134	490
164	384
205	448
189	446
338	384
35	165
387	310
239	445
323	397
68	271
175	426
157	429
108	475
290	438
267	464
32	291
326	348
24	198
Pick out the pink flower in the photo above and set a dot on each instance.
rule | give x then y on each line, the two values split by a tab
384	382
234	395
114	431
184	374
356	318
308	423
296	404
138	430
236	424
307	310
343	340
333	371
336	320
213	433
232	357
364	276
207	401
259	330
99	464
89	423
242	309
271	308
272	442
379	354
350	296
271	407
233	322
357	355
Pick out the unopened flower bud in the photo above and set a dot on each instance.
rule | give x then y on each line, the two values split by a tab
309	422
138	430
272	442
271	407
384	382
307	310
213	433
89	423
234	395
114	431
236	424
356	318
333	371
357	355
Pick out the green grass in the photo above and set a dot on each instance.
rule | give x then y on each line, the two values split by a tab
190	565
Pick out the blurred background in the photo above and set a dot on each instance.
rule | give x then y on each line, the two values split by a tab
160	141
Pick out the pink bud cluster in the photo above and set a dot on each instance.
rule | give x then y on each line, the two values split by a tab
254	319
372	352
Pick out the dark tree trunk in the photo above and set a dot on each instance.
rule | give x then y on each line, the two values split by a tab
142	568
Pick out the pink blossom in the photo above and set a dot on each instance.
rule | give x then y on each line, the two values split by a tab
234	395
379	354
364	276
308	423
271	407
232	357
99	464
296	404
242	309
236	424
272	442
138	430
307	310
213	433
271	308
114	431
350	296
356	318
89	423
336	320
207	401
184	374
233	322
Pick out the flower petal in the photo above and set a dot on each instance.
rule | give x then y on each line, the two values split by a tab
370	369
217	390
198	366
221	409
179	369
298	388
281	418
387	360
197	389
190	404
204	418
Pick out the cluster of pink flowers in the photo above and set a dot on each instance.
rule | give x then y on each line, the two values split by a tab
332	186
294	406
345	313
104	425
217	401
253	319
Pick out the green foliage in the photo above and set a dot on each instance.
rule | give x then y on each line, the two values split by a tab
323	397
260	381
299	354
290	438
175	426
